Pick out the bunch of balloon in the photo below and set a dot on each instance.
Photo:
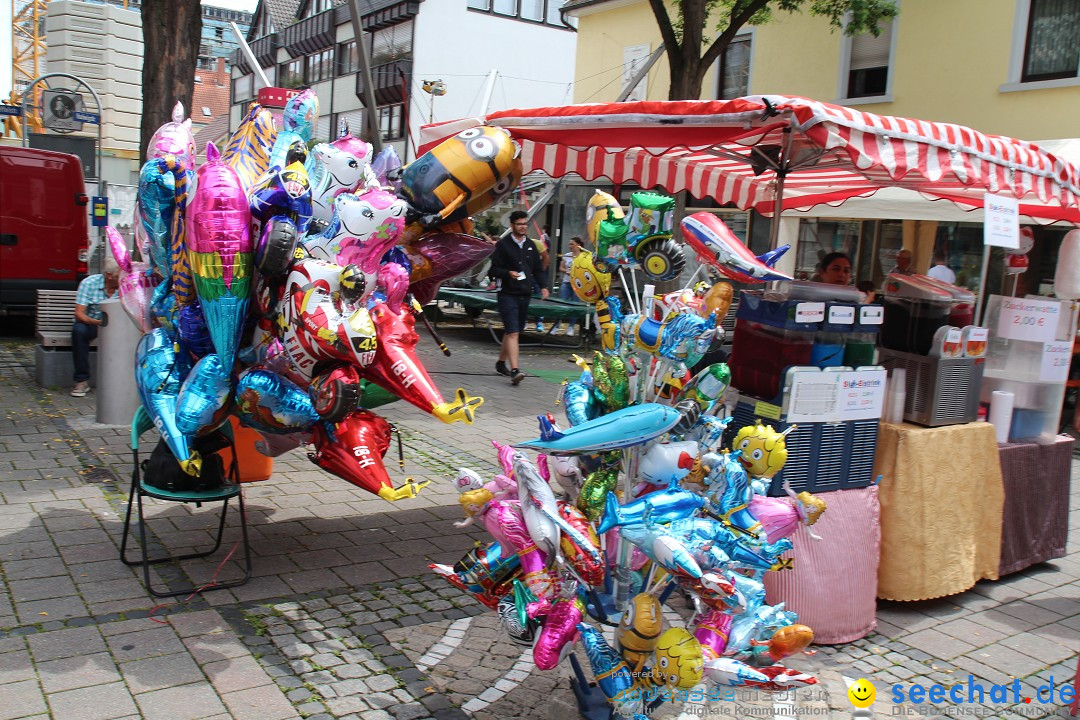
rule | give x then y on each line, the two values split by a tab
282	287
652	495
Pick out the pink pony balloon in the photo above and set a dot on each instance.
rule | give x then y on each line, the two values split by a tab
503	519
371	224
712	632
119	249
174	138
506	457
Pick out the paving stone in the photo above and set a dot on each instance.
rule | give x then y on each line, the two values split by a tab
937	643
99	702
65	643
19	699
161	672
381	683
343	705
261	703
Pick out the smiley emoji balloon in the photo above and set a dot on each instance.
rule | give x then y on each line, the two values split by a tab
862	693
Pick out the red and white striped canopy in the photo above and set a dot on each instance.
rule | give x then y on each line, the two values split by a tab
721	149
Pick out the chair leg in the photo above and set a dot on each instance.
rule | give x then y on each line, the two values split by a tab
127	515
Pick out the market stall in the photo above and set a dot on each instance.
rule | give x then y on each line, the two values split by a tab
774	154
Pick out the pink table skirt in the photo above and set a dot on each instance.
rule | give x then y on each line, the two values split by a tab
833	585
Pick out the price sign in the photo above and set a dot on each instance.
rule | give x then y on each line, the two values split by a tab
871	315
1055	361
810	312
1034	320
1001	223
842	315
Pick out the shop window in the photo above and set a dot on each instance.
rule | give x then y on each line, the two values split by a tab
733	73
1052	47
292	73
348	59
319	66
392	121
869	63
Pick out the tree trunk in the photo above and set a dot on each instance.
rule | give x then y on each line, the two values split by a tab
686	83
172	31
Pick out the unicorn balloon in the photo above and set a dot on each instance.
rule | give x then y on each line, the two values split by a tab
338	167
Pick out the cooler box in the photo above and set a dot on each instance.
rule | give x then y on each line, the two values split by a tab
251	463
760	355
822	456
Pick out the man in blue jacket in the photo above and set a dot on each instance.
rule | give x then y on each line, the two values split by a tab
517	266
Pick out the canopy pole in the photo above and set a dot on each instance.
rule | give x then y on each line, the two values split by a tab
488	90
363	54
778	197
982	284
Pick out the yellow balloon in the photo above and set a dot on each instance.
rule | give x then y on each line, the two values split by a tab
589	284
601	207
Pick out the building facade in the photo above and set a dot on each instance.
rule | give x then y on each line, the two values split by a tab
301	43
1003	67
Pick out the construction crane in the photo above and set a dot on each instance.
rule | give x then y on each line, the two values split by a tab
27	51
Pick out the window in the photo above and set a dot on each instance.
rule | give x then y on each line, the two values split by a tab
207	112
266	25
538	11
348	61
392	43
392	121
1052	49
242	88
319	66
291	73
868	63
734	71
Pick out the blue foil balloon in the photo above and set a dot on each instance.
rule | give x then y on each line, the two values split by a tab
663	506
159	371
298	123
610	670
163	308
270	403
194	334
397	253
157	203
578	401
204	397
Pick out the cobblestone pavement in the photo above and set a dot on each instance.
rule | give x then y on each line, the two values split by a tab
342	618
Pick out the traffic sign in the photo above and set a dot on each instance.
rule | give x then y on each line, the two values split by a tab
87	117
11	110
58	110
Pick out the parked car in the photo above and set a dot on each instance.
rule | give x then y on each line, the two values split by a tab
43	225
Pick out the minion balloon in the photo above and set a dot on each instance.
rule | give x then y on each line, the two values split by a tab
457	169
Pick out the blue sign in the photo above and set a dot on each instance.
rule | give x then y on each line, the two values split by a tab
100	217
12	110
85	117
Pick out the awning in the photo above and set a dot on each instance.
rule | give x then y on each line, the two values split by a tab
737	151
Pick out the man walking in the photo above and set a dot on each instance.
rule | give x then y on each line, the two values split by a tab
517	266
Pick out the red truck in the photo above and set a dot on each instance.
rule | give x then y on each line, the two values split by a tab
44	229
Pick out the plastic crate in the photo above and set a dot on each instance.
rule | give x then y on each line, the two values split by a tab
821	456
940	391
761	354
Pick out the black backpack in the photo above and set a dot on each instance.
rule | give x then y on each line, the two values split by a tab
162	471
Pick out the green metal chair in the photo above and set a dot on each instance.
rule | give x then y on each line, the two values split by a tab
140	423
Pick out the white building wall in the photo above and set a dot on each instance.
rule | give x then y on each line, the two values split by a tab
535	62
101	45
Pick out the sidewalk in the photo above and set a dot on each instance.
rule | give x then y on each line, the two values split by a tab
342	618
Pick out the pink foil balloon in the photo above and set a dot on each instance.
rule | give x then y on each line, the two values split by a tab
119	249
174	138
559	630
136	291
504	521
712	632
394	280
777	516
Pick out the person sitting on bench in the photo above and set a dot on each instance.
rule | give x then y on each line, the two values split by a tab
88	318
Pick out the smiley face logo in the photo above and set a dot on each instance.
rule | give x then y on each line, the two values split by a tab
862	693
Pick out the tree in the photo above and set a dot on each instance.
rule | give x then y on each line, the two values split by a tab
172	31
685	36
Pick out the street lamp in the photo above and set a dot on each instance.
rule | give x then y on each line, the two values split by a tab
433	88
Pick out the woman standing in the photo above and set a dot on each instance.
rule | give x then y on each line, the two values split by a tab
566	292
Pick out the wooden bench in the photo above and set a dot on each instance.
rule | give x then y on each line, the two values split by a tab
55	313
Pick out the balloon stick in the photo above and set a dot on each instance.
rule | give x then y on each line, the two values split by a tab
419	312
